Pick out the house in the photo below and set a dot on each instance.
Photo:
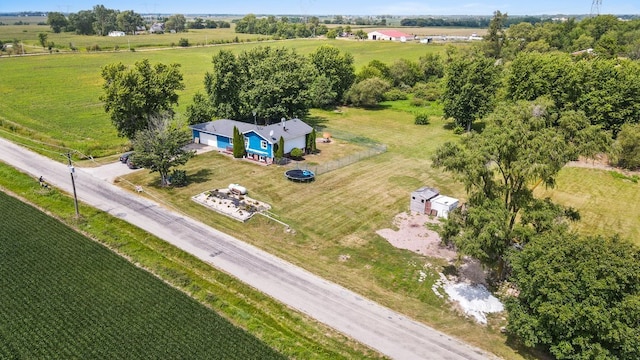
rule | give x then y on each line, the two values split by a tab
261	141
393	35
156	28
428	200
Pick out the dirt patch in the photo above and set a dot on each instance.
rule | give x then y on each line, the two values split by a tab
413	235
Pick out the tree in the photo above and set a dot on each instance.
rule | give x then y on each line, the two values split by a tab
42	38
367	93
311	142
495	37
224	84
470	86
360	34
336	66
275	83
332	34
128	20
431	67
405	72
105	20
627	147
57	21
200	110
82	22
133	96
238	144
160	146
519	148
321	94
578	297
280	150
176	23
375	68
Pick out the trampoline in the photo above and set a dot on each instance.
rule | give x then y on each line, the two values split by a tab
300	175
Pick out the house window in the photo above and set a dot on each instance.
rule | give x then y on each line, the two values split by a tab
246	143
230	141
263	144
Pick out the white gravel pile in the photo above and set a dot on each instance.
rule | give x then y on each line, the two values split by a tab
475	300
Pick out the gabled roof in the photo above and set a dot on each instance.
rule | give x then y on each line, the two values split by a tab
426	193
393	33
288	129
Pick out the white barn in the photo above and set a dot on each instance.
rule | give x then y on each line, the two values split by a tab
392	35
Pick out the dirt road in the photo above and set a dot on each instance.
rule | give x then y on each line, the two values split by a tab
380	328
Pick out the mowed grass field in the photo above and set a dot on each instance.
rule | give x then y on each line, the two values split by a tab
66	296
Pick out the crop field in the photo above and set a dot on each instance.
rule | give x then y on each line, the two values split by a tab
65	296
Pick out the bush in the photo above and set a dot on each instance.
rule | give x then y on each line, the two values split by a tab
296	153
426	91
394	94
183	42
458	130
417	102
178	178
422	119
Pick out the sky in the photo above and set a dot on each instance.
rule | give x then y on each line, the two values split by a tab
333	7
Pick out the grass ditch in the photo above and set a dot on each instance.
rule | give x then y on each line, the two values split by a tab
287	331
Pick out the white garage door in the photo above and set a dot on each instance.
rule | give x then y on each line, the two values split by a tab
208	139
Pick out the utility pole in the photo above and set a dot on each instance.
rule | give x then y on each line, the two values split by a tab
73	184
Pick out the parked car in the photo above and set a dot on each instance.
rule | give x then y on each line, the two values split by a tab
131	164
124	157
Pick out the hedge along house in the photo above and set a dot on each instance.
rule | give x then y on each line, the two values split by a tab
428	201
261	141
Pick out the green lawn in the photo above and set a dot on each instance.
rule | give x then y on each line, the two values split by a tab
66	296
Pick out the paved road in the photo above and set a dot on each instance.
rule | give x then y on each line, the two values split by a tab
380	328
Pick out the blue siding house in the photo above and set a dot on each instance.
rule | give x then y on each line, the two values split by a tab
260	141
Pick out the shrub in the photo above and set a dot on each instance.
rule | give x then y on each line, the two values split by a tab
178	178
422	119
417	102
458	130
296	153
183	42
394	94
426	91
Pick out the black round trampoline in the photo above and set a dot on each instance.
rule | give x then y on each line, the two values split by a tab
300	175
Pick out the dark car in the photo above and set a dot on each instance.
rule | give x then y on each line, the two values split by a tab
131	164
125	157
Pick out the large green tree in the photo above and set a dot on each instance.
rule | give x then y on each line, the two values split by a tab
368	92
128	20
471	82
336	66
275	83
224	85
523	145
105	20
134	95
57	21
626	149
495	37
161	146
578	297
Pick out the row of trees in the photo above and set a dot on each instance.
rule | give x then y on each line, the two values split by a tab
607	35
468	22
280	27
98	21
272	83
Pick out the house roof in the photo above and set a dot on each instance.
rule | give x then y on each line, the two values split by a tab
444	200
393	33
426	193
289	129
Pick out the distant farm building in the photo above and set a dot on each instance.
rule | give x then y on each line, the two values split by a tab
156	28
392	35
428	201
116	33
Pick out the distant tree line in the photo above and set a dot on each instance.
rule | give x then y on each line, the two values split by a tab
97	21
470	22
281	27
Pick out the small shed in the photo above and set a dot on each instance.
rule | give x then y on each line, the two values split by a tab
428	201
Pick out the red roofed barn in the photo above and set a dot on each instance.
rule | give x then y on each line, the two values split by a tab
393	35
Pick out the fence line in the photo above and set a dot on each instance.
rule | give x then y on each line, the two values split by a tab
345	161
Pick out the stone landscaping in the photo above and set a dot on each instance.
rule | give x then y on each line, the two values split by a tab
229	203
